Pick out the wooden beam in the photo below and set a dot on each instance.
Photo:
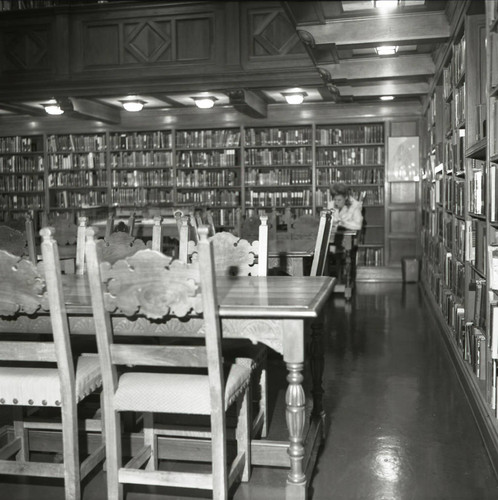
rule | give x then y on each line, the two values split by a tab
94	110
22	109
394	88
417	27
305	12
385	67
248	103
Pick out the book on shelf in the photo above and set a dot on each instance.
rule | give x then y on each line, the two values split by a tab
493	328
493	181
478	353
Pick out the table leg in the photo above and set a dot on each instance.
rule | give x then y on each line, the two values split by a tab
295	415
317	363
295	401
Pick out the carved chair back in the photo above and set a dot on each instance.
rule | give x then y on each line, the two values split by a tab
18	237
321	253
234	256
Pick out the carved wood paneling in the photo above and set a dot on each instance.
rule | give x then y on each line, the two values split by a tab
149	40
269	37
25	48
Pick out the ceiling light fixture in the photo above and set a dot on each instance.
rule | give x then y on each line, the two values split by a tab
133	104
294	97
386	97
385	4
205	102
53	108
386	50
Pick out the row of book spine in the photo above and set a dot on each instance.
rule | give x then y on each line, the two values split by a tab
21	183
82	178
477	189
370	257
141	140
75	199
351	176
225	217
288	156
206	178
22	164
210	197
278	177
208	138
21	201
76	143
278	198
18	144
141	196
364	155
142	159
368	134
137	178
278	137
88	160
199	159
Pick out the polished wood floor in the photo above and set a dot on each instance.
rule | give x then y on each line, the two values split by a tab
399	426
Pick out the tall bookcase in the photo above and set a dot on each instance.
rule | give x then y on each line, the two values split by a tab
459	211
355	156
22	175
208	172
141	165
278	164
77	171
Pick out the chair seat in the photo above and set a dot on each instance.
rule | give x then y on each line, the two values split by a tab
174	392
249	355
41	387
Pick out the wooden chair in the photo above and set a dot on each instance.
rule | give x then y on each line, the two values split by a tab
319	265
42	373
303	227
168	383
119	246
18	238
234	256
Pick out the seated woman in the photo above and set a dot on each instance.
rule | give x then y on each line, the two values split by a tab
346	210
346	215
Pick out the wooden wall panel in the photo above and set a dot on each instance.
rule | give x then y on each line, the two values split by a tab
269	38
101	45
147	42
26	49
403	192
403	221
194	39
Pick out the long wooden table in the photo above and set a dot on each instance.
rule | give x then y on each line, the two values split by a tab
274	310
288	254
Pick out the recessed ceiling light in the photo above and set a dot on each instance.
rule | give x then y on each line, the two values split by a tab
386	97
294	97
386	50
133	104
205	102
53	108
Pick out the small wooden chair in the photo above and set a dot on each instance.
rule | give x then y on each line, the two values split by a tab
234	256
119	246
42	373
170	382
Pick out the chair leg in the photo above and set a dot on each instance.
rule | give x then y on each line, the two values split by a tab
219	454
263	402
243	433
151	440
21	432
70	448
113	453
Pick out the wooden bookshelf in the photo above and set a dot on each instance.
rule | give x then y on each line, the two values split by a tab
208	172
77	174
141	169
22	176
278	170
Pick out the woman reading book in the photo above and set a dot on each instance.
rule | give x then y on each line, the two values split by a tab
346	210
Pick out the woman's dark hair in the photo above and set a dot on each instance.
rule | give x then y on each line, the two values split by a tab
338	188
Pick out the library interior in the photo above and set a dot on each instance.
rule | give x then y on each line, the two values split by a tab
176	172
